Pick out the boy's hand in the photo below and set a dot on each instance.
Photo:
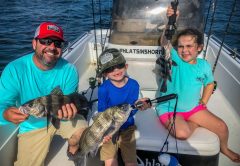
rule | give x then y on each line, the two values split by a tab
143	104
106	139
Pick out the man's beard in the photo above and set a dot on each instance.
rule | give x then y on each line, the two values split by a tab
48	64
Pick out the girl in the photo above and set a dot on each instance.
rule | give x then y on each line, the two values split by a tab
188	78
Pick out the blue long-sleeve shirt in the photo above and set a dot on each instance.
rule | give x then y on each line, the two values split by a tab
22	81
110	95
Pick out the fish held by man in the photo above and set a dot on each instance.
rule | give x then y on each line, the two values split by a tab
105	123
48	106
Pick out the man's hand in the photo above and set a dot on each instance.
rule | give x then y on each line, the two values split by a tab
15	116
68	111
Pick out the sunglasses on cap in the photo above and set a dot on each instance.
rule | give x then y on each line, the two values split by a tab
48	42
111	69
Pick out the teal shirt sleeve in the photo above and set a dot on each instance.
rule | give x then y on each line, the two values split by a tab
209	74
8	91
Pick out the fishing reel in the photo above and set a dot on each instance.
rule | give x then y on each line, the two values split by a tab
161	99
92	82
170	31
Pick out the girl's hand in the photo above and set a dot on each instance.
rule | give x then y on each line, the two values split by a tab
170	11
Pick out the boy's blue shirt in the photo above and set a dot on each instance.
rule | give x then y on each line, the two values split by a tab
22	81
110	95
187	82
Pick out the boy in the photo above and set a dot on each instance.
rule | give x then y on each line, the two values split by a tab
118	89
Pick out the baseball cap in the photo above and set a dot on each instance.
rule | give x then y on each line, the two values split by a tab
49	29
110	57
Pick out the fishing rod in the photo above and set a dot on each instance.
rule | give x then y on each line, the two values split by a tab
225	33
156	100
211	25
170	31
100	17
95	34
206	20
165	60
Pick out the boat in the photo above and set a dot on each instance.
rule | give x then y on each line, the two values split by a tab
135	32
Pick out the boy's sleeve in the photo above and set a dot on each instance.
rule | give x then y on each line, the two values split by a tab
135	97
102	99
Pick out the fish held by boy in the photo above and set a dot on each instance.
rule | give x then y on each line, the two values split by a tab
48	106
106	123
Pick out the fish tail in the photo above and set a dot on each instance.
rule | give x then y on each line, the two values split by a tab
164	86
81	161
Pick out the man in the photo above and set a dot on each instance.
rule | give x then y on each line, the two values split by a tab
32	76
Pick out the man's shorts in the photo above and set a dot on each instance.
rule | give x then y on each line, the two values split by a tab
186	115
33	146
127	145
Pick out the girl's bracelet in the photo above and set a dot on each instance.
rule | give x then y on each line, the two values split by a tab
201	102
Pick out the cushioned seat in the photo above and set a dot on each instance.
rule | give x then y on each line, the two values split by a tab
151	135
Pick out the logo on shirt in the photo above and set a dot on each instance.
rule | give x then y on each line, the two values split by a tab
201	78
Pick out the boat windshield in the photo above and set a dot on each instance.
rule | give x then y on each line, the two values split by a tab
141	22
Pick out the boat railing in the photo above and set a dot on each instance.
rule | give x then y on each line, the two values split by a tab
232	52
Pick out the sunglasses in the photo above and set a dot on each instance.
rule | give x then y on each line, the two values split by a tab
48	42
111	69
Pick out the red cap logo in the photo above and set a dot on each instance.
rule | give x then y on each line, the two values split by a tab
49	29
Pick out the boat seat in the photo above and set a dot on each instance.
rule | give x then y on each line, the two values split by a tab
151	134
140	69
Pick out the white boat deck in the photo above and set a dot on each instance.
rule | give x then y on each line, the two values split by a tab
150	133
218	105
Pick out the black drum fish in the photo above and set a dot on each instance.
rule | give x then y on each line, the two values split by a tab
105	123
48	106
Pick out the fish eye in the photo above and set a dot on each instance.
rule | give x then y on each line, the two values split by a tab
30	105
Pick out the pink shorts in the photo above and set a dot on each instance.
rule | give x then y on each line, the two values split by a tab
165	117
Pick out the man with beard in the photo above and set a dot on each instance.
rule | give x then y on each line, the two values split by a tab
32	76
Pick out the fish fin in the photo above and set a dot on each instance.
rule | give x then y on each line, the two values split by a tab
174	63
83	106
48	119
115	137
55	122
93	153
164	86
57	91
81	161
96	116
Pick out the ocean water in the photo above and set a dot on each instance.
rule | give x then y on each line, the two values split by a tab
20	18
